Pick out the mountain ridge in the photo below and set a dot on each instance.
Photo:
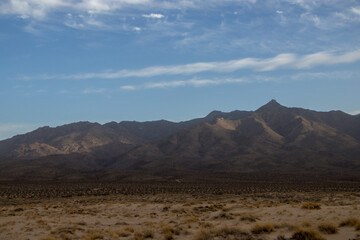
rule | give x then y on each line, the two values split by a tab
273	138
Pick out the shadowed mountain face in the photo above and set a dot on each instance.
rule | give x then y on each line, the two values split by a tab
85	137
273	138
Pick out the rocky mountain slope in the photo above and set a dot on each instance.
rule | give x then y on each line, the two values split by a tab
273	138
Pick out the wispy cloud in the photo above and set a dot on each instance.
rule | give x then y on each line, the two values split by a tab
284	61
153	15
356	10
40	9
184	83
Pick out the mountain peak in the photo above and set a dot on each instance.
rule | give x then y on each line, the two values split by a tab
273	102
271	106
215	114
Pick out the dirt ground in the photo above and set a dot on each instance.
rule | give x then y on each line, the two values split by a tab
293	214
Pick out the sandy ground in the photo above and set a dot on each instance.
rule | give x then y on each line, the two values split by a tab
179	216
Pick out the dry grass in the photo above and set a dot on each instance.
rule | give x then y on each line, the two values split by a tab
306	224
169	231
311	205
328	228
350	222
226	231
206	217
262	228
248	217
306	235
144	234
203	234
93	235
222	233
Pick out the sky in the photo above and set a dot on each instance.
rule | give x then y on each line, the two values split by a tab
64	61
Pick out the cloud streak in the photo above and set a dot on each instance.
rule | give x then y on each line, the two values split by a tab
153	15
283	61
183	83
39	9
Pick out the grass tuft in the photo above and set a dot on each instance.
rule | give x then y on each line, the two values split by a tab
350	222
311	205
328	228
306	235
262	228
203	234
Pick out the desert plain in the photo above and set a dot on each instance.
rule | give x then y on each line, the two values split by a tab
177	210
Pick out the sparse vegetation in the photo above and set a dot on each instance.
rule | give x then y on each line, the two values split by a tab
328	228
262	228
311	205
248	217
306	235
203	234
223	233
350	222
135	215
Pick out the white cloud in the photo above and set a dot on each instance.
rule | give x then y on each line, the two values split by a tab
257	78
182	83
128	87
39	9
153	15
324	58
137	28
36	9
306	4
355	10
288	60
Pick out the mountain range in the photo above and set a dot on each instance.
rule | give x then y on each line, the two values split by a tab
273	139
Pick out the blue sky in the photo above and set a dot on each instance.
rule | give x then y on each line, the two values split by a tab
63	61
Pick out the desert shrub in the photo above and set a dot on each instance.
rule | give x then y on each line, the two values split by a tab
169	232
168	235
306	235
122	233
225	231
140	235
350	222
311	205
148	233
357	227
306	224
248	217
93	236
328	228
129	229
203	234
224	215
262	228
49	237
